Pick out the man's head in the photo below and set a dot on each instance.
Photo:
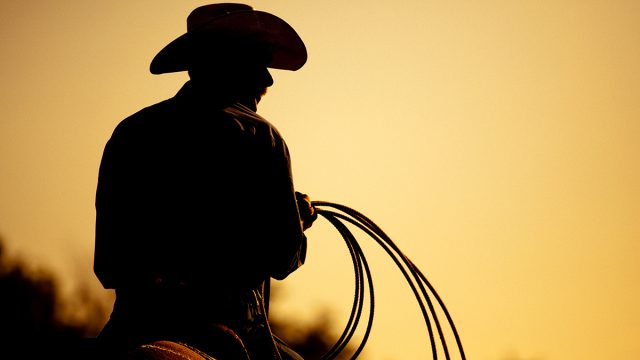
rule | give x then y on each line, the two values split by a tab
239	69
230	46
223	34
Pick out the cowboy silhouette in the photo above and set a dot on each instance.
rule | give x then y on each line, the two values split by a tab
195	203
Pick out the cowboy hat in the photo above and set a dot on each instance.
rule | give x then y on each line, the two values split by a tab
210	26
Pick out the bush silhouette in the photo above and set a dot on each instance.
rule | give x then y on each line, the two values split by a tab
35	320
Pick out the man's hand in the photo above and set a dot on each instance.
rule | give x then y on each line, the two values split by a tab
307	212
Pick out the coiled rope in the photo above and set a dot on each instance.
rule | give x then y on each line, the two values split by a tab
339	216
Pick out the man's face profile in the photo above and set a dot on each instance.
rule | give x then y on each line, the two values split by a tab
241	71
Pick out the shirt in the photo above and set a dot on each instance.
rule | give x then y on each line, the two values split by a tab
196	191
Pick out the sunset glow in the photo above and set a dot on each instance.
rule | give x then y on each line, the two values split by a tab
497	143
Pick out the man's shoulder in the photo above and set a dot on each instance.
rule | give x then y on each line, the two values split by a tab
144	116
251	122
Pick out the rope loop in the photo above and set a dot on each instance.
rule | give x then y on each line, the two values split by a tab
339	216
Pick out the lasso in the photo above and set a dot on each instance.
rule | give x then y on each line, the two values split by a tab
339	216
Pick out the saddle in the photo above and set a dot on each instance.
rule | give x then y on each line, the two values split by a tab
223	344
168	350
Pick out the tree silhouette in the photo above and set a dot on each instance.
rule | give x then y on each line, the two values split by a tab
32	316
35	320
312	340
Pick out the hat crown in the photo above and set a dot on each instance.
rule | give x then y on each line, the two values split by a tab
211	27
201	16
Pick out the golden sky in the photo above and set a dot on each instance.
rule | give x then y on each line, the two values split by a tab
497	142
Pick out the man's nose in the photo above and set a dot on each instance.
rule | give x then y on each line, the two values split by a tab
265	78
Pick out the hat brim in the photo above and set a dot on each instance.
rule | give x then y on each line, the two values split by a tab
286	50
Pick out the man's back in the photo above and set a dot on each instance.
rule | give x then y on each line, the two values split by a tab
190	190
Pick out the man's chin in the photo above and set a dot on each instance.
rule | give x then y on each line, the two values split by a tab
259	96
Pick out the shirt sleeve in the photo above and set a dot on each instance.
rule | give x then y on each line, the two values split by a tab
294	246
